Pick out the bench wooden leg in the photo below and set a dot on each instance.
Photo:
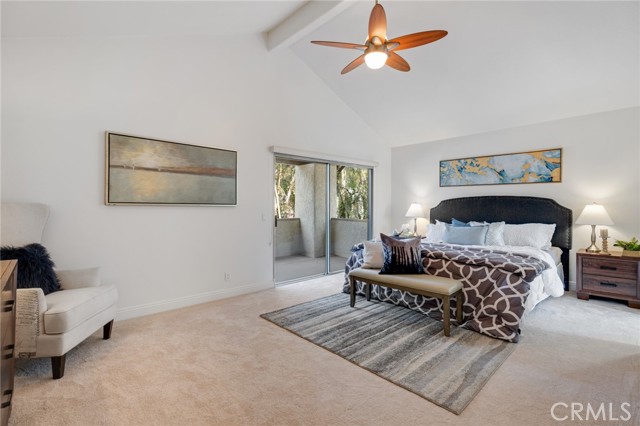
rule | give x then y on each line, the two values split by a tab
459	308
352	291
368	291
446	314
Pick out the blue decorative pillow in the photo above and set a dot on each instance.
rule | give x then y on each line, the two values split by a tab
459	223
35	267
401	256
469	235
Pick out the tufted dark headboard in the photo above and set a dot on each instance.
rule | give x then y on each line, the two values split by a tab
514	210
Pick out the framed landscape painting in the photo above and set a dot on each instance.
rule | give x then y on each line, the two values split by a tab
521	167
150	171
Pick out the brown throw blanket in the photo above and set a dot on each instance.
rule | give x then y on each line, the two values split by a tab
495	286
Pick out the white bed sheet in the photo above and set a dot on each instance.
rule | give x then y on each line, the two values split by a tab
556	254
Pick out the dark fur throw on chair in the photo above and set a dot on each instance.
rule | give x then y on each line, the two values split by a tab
35	267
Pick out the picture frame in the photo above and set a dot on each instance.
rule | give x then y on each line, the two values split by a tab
544	166
148	171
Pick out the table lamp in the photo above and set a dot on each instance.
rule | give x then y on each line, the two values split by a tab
415	211
594	214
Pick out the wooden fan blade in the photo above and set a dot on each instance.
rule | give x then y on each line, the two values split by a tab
378	23
341	45
354	64
396	62
418	39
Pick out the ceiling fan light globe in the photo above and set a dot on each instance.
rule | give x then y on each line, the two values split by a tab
376	60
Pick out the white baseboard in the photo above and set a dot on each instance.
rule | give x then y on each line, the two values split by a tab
181	302
572	286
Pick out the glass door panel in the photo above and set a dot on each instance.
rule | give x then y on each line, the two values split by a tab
321	211
301	219
349	206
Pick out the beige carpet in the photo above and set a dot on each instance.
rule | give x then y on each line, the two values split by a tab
221	364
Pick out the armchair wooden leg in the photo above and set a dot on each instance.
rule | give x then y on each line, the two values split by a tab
106	330
57	366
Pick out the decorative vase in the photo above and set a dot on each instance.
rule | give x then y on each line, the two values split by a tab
631	253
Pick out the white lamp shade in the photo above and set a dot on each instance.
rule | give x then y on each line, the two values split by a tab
415	210
594	214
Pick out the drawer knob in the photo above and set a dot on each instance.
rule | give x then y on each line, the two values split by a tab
608	284
6	396
608	268
7	351
8	306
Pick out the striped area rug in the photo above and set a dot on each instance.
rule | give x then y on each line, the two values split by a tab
402	346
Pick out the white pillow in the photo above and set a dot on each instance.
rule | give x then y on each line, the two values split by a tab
536	235
435	232
373	255
495	234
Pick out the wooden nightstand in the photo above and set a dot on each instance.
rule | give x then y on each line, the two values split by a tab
614	276
8	276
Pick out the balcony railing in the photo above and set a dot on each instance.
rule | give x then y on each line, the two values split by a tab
344	234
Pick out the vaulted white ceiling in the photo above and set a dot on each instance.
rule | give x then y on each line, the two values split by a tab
503	64
54	18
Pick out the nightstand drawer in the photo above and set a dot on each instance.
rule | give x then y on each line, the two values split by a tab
604	284
7	320
610	267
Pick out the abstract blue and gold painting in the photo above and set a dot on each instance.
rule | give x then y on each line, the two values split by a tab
522	167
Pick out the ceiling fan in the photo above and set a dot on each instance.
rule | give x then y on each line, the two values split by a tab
379	51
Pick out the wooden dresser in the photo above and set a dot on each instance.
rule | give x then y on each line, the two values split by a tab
7	326
614	276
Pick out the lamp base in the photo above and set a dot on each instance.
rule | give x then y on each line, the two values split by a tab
592	249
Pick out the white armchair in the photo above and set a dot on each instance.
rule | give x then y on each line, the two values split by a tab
52	325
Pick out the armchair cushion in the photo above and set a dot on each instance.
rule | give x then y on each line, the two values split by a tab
68	309
78	278
35	267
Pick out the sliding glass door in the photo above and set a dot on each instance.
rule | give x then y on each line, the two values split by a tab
349	222
321	211
300	211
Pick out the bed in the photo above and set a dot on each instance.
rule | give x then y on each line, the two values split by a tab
501	283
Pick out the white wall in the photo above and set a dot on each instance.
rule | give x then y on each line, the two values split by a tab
59	95
600	163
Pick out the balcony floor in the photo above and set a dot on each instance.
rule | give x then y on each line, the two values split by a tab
292	268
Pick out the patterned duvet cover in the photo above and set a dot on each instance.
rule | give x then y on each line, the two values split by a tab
495	286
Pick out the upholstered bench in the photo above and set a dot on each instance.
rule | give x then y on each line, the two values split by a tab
425	285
